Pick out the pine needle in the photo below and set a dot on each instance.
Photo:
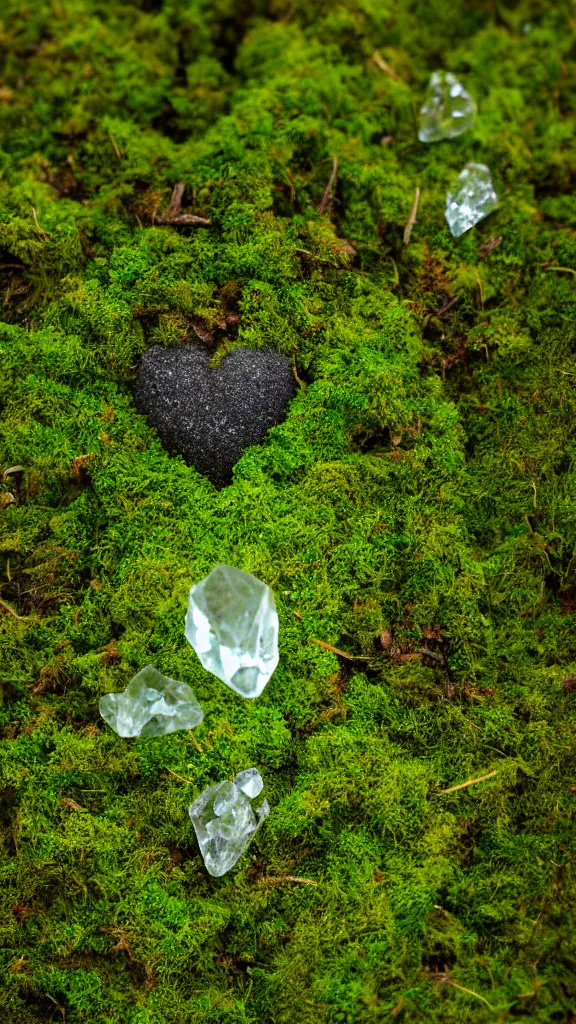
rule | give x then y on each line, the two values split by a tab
336	650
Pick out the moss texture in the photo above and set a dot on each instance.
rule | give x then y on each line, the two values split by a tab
417	509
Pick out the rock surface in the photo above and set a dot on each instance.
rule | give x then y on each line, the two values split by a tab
209	416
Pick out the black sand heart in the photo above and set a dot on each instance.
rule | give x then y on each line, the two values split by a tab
209	416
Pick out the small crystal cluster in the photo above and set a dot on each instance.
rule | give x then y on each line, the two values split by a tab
225	821
471	200
151	705
232	624
448	109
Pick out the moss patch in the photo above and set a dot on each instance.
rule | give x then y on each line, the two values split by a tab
416	510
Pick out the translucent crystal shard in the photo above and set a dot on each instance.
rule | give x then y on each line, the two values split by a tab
151	705
250	782
448	109
232	624
472	199
224	820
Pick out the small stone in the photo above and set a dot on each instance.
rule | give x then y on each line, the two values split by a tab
224	821
472	199
210	415
250	782
232	624
151	705
448	109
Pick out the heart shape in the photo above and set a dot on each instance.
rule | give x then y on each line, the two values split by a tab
209	416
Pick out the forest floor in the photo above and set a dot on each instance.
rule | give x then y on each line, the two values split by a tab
416	510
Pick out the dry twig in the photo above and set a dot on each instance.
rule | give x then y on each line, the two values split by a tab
172	214
182	779
41	230
470	782
326	200
379	61
11	610
290	878
336	650
412	218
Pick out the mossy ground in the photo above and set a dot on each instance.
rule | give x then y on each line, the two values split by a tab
416	509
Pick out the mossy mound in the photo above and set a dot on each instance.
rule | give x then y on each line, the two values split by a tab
416	510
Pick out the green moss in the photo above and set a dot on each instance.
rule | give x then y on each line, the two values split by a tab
416	509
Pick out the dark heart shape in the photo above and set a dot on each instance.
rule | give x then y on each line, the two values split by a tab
209	416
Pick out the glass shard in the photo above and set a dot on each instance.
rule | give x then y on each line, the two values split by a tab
224	821
151	705
448	109
232	624
471	200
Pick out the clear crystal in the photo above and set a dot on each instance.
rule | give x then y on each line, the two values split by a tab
224	822
250	782
448	109
226	798
151	705
472	199
232	624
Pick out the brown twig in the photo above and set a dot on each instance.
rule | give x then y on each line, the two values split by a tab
185	218
290	878
182	779
443	978
444	309
336	650
115	146
175	205
7	608
41	230
412	218
470	782
326	200
199	748
379	61
299	382
172	215
11	266
431	654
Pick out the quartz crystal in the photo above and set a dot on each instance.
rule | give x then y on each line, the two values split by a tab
151	705
224	820
448	109
472	199
250	782
232	624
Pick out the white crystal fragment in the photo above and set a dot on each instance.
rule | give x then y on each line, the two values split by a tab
232	624
250	782
448	109
471	200
151	705
224	822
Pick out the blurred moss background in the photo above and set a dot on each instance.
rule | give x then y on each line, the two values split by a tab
416	510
